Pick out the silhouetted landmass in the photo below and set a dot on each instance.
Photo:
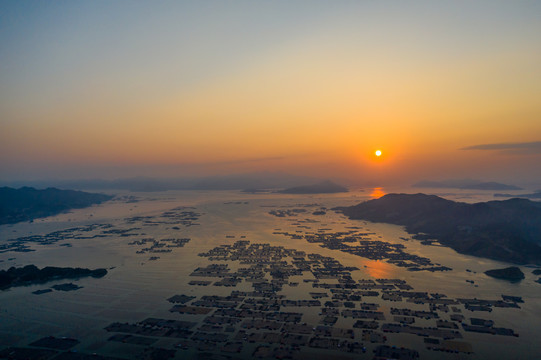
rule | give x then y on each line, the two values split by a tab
508	230
28	203
535	195
66	287
31	274
493	186
255	191
511	274
466	185
325	187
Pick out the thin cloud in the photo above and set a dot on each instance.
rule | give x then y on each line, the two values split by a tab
533	147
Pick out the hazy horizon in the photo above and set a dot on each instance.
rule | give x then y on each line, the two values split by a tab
189	89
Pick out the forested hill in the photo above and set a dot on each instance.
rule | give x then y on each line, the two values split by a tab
508	230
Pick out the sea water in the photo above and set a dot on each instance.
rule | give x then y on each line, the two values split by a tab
137	288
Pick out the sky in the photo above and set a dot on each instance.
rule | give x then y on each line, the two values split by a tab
107	89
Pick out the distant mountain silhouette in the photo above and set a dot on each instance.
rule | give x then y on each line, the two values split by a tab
535	195
508	230
255	180
466	185
28	203
325	187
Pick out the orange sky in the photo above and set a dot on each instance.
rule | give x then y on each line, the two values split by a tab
312	89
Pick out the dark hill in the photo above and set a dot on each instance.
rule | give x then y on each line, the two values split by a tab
512	274
325	187
28	203
508	230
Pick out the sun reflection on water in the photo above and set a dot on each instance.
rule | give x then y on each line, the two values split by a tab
378	269
377	193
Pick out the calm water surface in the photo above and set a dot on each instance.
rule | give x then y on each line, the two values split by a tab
137	288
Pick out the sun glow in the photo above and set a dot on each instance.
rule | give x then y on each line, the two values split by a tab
378	153
378	269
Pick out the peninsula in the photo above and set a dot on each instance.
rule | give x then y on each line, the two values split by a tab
27	203
508	230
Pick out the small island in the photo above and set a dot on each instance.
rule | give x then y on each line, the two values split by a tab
26	203
325	187
255	191
512	274
31	274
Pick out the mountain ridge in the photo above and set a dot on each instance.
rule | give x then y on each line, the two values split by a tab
465	184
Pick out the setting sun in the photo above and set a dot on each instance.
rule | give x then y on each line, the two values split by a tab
378	153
